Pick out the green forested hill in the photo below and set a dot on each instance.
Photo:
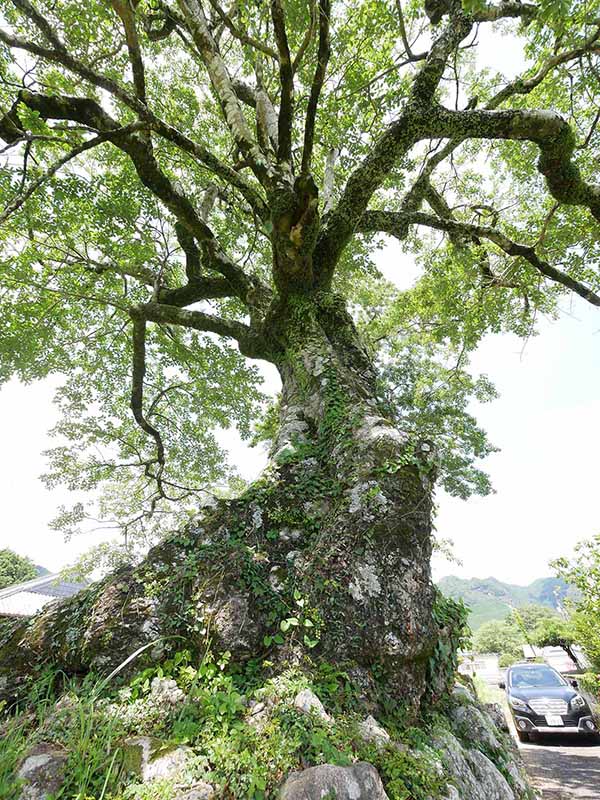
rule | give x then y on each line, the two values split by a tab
489	598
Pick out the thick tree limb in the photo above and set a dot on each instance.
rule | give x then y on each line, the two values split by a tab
548	130
396	224
329	179
222	84
251	344
126	13
286	80
428	78
491	12
195	291
317	84
308	36
244	92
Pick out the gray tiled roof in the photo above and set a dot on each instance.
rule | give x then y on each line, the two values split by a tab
24	599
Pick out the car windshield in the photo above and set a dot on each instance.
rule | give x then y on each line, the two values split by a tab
521	678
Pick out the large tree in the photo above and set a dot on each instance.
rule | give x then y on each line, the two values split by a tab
186	176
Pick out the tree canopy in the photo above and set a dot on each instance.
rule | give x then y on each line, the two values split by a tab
583	572
15	568
174	172
522	626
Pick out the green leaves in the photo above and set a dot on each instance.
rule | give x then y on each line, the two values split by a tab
15	568
93	241
583	572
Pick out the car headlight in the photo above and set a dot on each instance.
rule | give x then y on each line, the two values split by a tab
578	701
518	704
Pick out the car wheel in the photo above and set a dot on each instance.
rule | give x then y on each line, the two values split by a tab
523	737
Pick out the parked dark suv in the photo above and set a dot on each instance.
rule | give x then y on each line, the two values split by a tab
542	701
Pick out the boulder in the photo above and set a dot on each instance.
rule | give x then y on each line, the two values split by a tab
373	733
42	772
475	727
359	782
470	772
497	716
493	785
308	702
150	758
452	794
461	694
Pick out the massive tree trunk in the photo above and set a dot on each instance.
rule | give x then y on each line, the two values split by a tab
325	557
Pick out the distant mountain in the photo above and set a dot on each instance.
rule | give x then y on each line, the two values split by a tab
489	598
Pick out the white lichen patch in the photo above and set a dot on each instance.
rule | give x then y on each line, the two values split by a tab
277	578
365	582
376	428
366	498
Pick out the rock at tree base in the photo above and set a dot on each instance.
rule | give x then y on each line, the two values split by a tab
371	731
358	782
308	702
150	759
42	772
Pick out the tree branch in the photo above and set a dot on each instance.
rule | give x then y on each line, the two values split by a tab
491	12
410	126
317	84
137	385
212	163
329	179
60	55
548	130
222	84
22	198
407	48
124	10
414	197
242	35
286	80
90	113
396	224
250	342
308	36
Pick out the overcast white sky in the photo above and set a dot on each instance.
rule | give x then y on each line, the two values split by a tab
546	423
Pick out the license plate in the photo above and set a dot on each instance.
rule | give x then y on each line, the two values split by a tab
554	720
